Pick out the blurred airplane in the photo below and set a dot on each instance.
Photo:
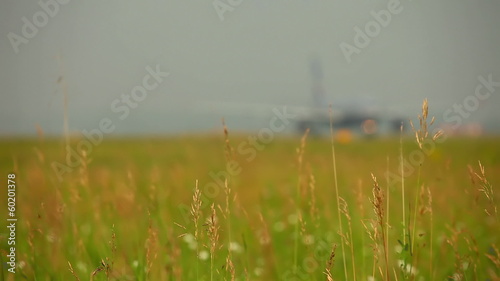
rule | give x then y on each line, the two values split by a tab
359	117
352	118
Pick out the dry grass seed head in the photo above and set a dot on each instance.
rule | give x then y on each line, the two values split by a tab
195	209
313	209
227	191
345	238
330	263
344	208
423	132
301	149
495	256
265	237
472	177
112	245
229	152
151	247
213	229
302	223
103	267
73	271
487	189
377	201
429	201
358	193
230	268
426	208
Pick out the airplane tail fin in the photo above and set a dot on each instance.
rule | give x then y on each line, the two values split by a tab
317	88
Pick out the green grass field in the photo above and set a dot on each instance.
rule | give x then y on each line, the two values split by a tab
126	210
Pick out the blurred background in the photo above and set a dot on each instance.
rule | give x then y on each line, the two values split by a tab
240	59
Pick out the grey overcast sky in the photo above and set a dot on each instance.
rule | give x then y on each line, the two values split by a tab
258	54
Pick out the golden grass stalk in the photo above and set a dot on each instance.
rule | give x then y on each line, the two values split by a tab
472	177
265	236
453	241
337	190
228	150
105	266
229	155
329	264
345	211
227	210
421	135
230	268
84	171
112	245
495	258
151	247
195	214
378	208
300	160
227	215
302	224
313	209
196	209
213	235
395	275
487	189
102	267
401	161
359	195
423	132
475	257
265	241
73	271
174	269
373	235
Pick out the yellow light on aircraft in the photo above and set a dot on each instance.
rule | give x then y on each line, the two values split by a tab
344	136
369	126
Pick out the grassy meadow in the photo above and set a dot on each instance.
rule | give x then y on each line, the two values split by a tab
215	207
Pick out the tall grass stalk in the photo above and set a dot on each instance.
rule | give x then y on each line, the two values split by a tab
487	189
227	212
402	182
300	158
229	261
378	207
195	213
213	234
337	191
329	264
70	270
359	202
345	211
415	207
421	135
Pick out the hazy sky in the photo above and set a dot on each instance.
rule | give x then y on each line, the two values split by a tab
258	54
